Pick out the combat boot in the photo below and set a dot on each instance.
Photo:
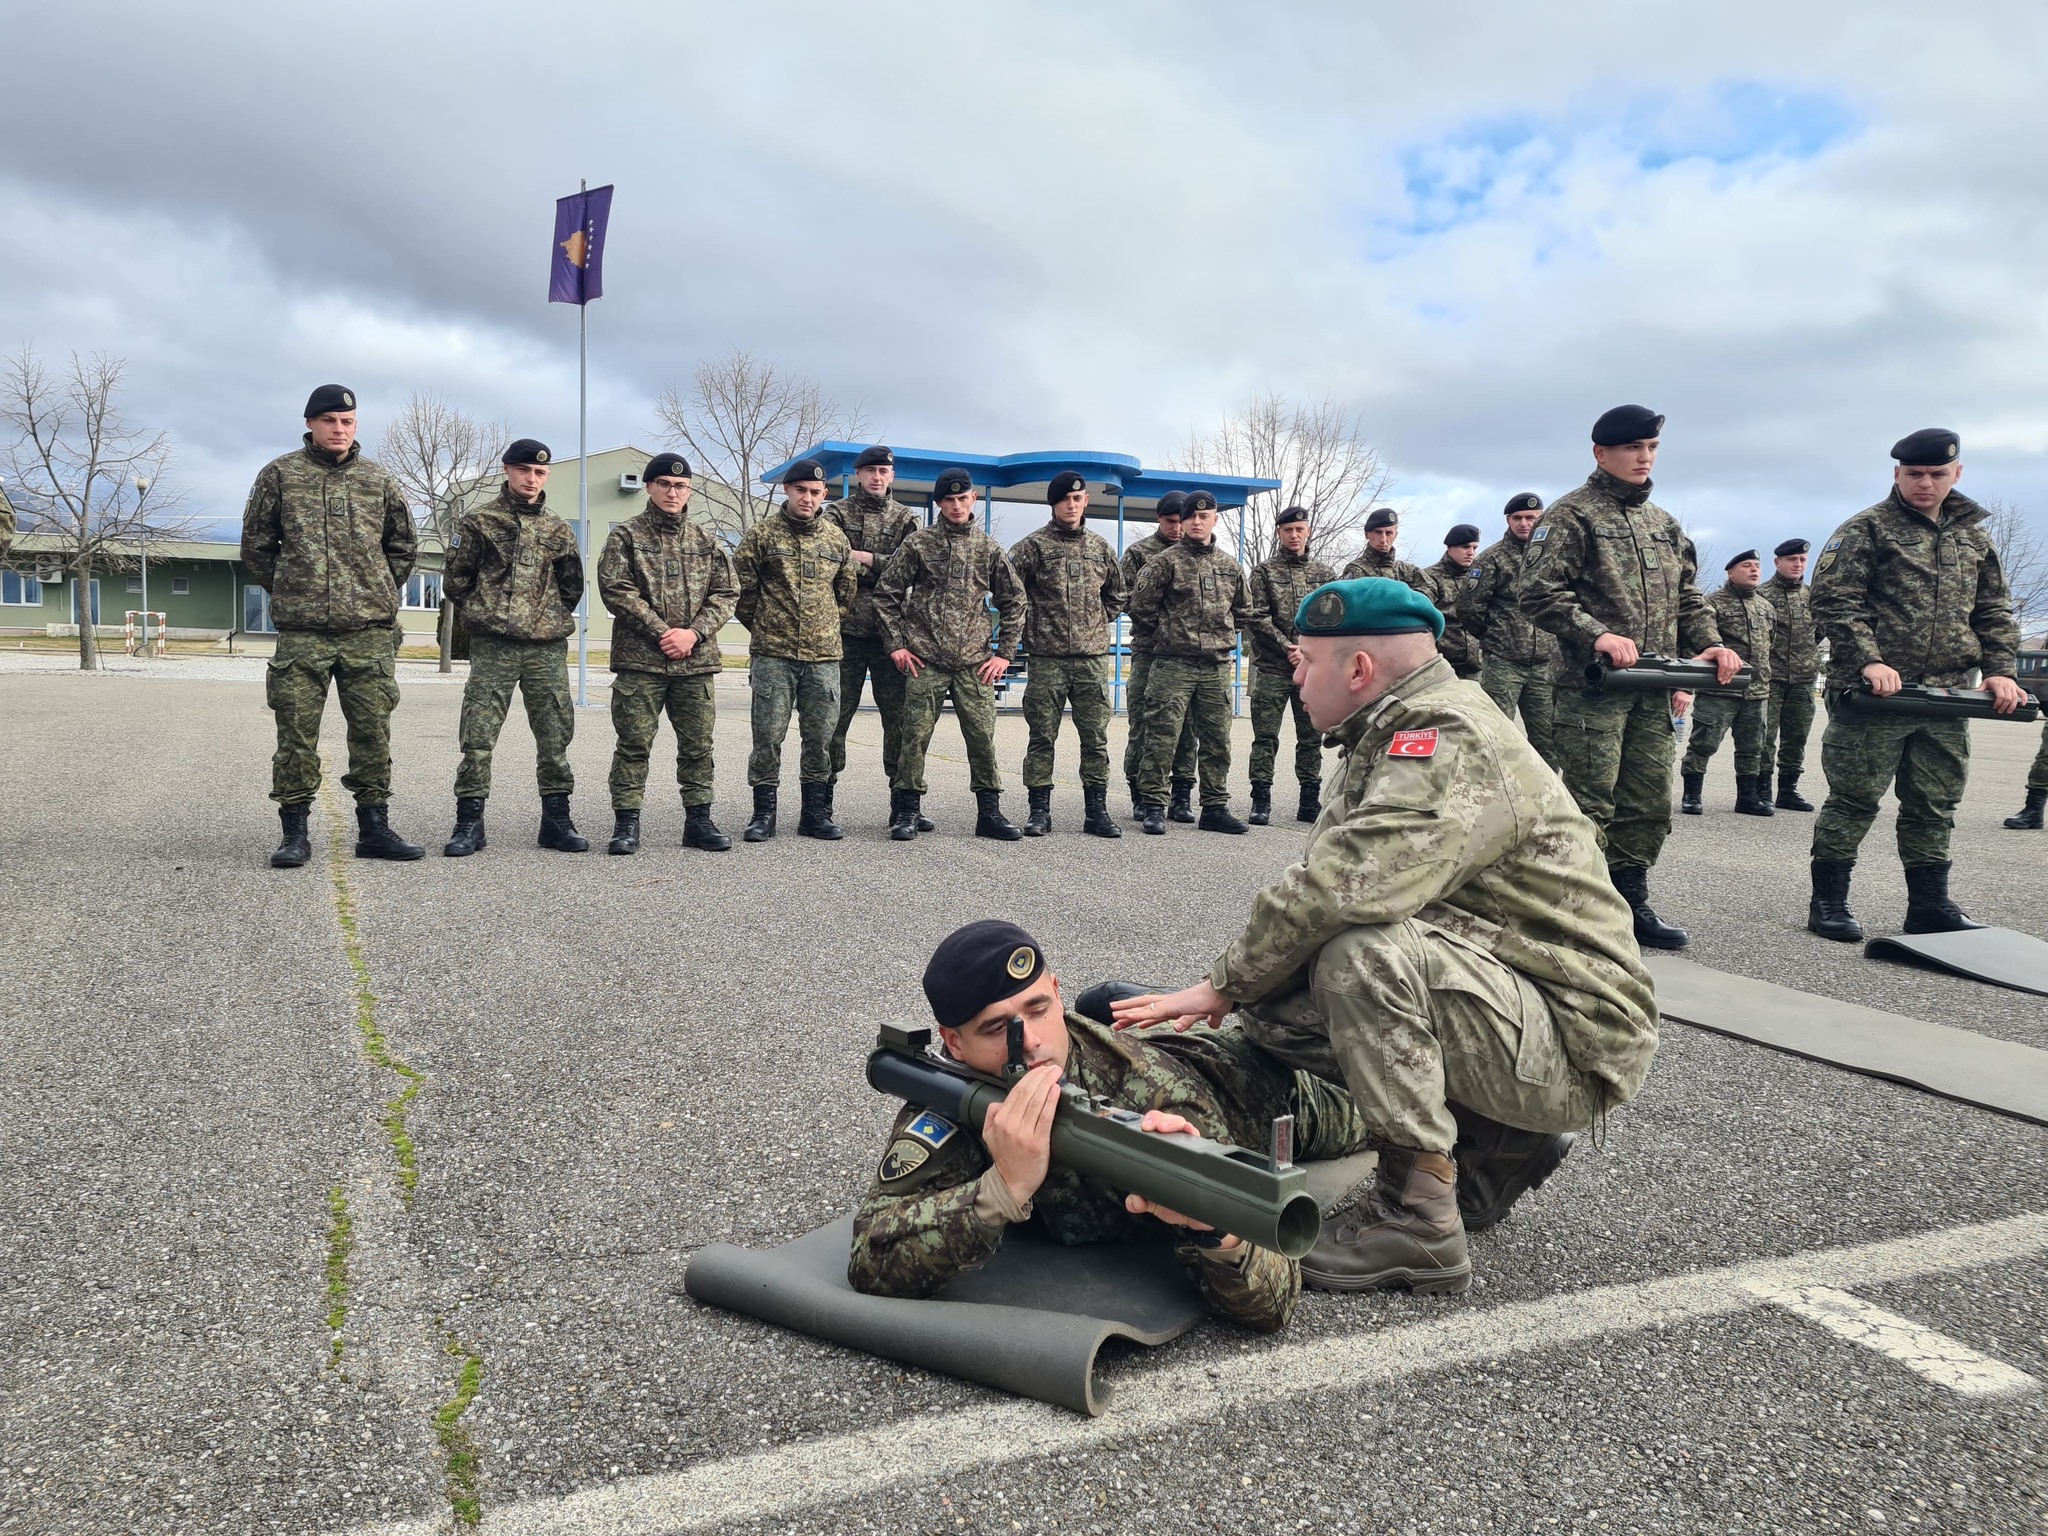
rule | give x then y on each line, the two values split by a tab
1097	822
1928	908
924	822
1406	1232
468	836
1788	797
1182	807
557	831
1651	930
815	819
376	840
1217	818
1498	1164
1038	820
1153	817
1262	805
1689	803
1828	914
2029	818
762	827
1137	801
699	830
625	832
903	818
1311	803
296	847
1748	802
989	820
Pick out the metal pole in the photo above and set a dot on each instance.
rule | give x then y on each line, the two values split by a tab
1123	624
1237	655
583	489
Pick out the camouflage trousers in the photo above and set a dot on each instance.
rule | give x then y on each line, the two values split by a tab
1135	683
363	664
2037	776
1712	716
1787	724
865	659
639	700
1412	1018
974	706
1176	694
808	689
1052	686
1524	686
1273	697
539	669
1927	761
1614	755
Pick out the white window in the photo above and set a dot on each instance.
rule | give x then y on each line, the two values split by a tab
18	587
424	590
181	586
256	612
134	583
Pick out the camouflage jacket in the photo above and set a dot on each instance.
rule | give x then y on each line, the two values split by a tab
1490	606
1459	646
1606	559
933	600
1389	567
1795	648
1467	830
1194	601
514	568
1278	585
659	573
796	582
1135	559
1925	597
876	525
937	1207
330	538
1074	587
1745	620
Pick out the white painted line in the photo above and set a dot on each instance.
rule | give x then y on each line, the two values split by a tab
1942	1360
782	1480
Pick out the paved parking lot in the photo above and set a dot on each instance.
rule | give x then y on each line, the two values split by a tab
206	1130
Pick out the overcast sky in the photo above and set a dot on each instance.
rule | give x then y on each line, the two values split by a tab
1799	230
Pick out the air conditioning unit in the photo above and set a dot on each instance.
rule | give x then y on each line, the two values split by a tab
51	577
629	482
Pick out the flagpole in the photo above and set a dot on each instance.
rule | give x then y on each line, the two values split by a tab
583	489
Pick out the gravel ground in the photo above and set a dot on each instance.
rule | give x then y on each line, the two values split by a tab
627	1059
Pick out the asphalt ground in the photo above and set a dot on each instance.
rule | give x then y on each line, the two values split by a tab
622	1060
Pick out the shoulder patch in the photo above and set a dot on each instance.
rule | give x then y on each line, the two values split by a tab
1542	532
903	1158
1413	744
1823	563
455	541
1832	545
933	1130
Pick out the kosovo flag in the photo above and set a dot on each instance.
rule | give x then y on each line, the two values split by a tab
577	275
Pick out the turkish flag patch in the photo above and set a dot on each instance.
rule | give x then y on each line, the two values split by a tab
1413	744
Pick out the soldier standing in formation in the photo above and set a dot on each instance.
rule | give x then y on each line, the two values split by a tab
2029	817
1908	591
328	534
1519	657
514	569
669	586
1278	586
1382	531
797	580
1074	591
1746	620
1611	575
932	603
876	525
1795	664
1459	645
1194	602
1165	535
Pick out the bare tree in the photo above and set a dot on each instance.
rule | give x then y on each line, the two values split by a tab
1316	449
740	416
95	483
2024	555
442	459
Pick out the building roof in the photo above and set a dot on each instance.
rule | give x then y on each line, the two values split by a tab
158	549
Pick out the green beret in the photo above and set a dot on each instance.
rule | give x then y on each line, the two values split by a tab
1371	605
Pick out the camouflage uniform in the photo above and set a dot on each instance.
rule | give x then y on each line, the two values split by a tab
797	582
937	1207
1139	647
1607	559
1388	567
1277	587
659	573
933	602
1795	663
1459	645
1074	592
1193	601
2037	775
875	525
1926	597
1450	933
1519	657
332	541
1745	620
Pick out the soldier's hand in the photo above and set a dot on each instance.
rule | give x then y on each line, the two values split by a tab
1199	1004
1018	1131
905	662
677	644
2006	695
1726	662
1619	650
1681	704
1883	680
992	669
864	557
1293	655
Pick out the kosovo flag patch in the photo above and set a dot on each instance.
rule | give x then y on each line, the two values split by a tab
933	1130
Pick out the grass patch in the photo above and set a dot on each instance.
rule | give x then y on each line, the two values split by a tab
340	1244
457	1448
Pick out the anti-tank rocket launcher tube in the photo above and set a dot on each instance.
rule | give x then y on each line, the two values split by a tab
1263	1198
1923	702
1663	674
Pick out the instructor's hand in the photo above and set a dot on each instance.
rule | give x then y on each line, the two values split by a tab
1619	650
1884	681
1726	662
1018	1131
906	662
1199	1004
2006	695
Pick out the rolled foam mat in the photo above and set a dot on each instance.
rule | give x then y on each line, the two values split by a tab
1996	955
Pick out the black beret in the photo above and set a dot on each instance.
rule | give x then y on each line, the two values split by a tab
1368	605
672	464
875	455
1173	504
1288	515
1792	547
1930	445
527	450
1064	484
980	964
330	397
802	471
1747	554
1627	424
951	482
1382	517
1527	501
1201	501
1464	533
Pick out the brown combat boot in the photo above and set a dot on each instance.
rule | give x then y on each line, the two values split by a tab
1406	1232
